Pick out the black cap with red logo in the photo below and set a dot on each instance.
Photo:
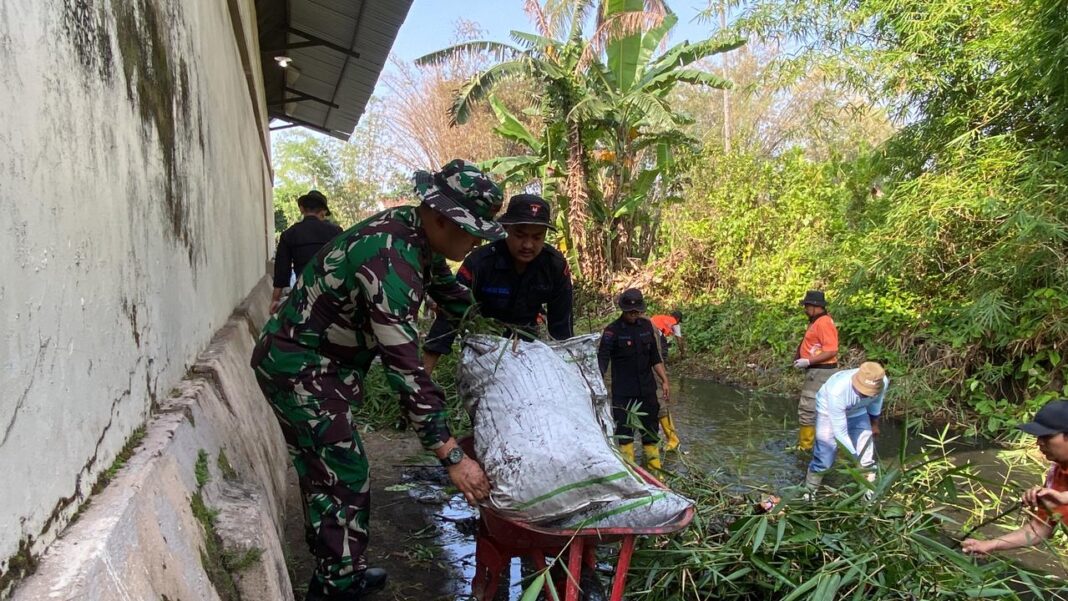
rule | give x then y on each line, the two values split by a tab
527	209
631	300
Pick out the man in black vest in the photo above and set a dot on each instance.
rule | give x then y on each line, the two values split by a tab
298	244
514	280
631	345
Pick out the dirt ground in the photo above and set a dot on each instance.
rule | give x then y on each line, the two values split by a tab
404	528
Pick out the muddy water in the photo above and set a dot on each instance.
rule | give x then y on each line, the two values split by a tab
456	524
747	437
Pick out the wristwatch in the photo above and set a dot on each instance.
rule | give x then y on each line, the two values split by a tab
456	455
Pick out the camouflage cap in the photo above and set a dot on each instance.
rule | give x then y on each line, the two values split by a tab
466	195
421	182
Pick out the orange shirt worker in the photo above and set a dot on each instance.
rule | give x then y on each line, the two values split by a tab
818	356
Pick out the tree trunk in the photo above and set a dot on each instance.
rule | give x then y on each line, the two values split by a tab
583	231
621	244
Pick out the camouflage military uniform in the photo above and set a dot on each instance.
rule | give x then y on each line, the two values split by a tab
356	299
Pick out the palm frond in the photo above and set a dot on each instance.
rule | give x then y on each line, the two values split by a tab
534	42
590	108
653	38
497	50
511	128
657	8
671	137
690	76
580	11
541	20
617	27
601	80
509	167
686	53
653	109
481	85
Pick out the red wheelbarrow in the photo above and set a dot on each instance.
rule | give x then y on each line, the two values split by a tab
500	539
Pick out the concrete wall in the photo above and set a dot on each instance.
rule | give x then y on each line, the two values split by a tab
140	537
134	211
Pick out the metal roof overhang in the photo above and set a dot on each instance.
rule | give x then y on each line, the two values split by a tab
337	50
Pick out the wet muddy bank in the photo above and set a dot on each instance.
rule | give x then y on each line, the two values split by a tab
406	530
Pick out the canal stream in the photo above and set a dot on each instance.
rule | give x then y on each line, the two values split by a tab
748	439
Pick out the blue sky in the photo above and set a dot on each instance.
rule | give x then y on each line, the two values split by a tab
431	23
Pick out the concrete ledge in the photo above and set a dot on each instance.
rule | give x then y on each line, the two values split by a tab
139	538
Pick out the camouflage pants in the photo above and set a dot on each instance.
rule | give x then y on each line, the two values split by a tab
334	480
806	407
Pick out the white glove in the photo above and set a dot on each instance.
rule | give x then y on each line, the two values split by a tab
801	363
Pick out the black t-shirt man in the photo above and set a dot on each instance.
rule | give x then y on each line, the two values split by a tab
301	241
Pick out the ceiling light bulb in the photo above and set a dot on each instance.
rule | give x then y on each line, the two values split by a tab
283	61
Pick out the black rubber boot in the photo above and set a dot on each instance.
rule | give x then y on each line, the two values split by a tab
367	581
370	580
316	593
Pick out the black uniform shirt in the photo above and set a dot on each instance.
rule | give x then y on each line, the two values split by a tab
298	244
512	297
633	350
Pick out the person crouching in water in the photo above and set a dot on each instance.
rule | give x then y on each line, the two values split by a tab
1050	500
847	412
631	345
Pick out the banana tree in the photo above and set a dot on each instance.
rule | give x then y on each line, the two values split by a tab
640	130
542	163
559	57
556	66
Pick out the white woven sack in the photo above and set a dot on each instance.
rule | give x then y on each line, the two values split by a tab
536	434
658	508
580	353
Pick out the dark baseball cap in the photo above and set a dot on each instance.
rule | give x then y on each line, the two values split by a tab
1052	418
527	209
631	300
313	201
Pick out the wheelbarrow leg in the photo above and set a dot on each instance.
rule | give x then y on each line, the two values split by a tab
538	557
574	569
620	579
489	561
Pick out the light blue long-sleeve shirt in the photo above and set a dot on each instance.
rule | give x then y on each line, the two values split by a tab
838	401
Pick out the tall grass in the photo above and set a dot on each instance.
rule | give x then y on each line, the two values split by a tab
903	544
381	409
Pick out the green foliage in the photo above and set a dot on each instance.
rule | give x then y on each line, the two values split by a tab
201	469
606	155
381	408
235	561
900	545
944	251
223	463
955	281
353	175
219	563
